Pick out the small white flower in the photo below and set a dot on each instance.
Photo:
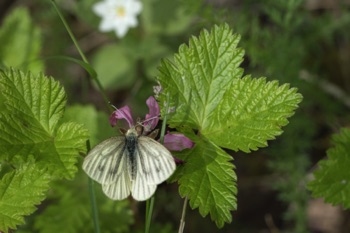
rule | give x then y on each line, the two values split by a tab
117	15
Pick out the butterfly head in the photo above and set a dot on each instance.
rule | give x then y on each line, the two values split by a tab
134	131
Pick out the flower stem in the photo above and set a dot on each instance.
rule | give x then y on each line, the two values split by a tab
183	215
69	31
81	53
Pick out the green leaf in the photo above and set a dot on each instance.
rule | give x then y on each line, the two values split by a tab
208	181
332	179
200	76
255	111
20	47
29	123
205	87
20	191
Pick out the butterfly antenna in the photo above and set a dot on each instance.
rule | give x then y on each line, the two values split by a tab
113	106
141	122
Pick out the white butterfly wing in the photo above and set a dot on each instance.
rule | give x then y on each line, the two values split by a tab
154	165
155	162
105	163
142	191
121	188
109	164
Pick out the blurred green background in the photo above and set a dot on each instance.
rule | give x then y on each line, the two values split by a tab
304	43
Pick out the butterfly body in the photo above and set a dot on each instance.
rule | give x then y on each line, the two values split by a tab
131	138
130	164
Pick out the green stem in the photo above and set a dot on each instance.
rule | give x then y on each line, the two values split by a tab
183	215
69	31
82	55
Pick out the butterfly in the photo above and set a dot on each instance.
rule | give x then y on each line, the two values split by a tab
131	164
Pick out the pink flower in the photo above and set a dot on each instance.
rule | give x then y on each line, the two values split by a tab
122	113
173	142
177	142
152	117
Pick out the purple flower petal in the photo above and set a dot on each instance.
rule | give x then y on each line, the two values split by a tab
177	142
122	113
152	118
